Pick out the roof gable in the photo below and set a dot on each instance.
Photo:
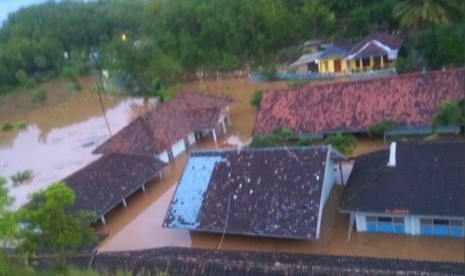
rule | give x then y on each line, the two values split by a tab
410	99
391	41
428	179
265	192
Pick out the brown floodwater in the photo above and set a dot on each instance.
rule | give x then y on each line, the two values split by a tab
53	146
60	134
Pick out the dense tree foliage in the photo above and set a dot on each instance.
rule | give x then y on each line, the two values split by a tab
50	224
8	223
163	38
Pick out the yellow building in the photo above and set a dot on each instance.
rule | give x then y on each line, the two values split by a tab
332	60
375	52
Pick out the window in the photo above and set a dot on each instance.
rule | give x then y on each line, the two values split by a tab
441	227
394	225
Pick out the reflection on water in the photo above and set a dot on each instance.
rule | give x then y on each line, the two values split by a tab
54	153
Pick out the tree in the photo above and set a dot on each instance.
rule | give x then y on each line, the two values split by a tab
49	223
8	223
449	114
414	14
345	144
381	128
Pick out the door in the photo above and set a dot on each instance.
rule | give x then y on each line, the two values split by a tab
337	65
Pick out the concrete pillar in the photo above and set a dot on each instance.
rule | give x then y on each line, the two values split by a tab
223	126
102	219
214	134
124	203
143	188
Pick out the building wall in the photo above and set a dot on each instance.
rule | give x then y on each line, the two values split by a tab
329	180
191	138
327	65
178	147
163	157
412	225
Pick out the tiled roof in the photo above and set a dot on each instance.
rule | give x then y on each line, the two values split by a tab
161	127
332	51
103	184
428	179
392	41
189	261
371	50
264	192
411	100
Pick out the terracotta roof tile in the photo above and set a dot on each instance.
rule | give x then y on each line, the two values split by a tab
161	127
410	99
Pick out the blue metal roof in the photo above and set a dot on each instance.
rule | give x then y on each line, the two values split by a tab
191	190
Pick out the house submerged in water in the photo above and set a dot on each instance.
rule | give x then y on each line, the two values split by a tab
271	192
411	188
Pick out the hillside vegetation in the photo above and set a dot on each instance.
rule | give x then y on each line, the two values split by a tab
152	42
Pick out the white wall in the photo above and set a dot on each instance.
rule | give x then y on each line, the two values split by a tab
191	138
178	147
163	156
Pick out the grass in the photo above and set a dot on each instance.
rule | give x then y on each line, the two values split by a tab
39	97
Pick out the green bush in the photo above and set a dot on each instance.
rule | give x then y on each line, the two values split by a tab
21	177
304	141
7	126
256	98
24	80
381	128
345	144
22	124
270	72
263	142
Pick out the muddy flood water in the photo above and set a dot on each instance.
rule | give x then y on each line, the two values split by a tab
62	133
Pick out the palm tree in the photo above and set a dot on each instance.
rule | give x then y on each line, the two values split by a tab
414	14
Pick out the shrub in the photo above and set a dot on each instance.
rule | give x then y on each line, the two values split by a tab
345	144
263	142
256	99
7	126
304	141
24	80
270	72
21	177
22	124
39	97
